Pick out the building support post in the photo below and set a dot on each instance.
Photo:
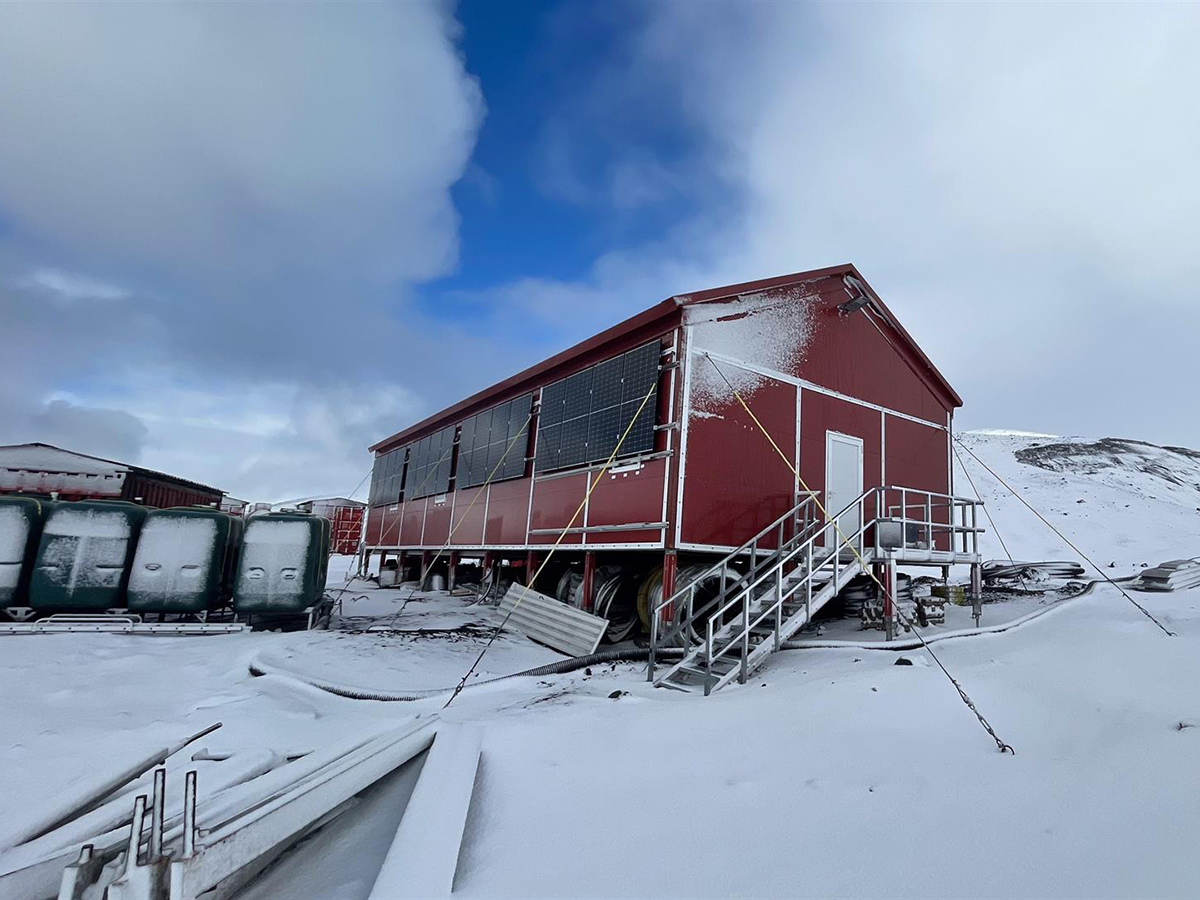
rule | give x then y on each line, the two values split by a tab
670	572
889	600
485	573
426	559
589	577
530	569
452	571
977	592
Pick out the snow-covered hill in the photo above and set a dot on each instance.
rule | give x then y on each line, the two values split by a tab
1120	501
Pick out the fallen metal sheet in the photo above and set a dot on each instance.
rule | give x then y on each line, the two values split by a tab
547	621
424	854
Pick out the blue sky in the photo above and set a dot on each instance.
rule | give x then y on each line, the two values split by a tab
241	242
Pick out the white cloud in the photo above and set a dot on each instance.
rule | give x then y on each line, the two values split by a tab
1018	180
70	287
277	177
196	135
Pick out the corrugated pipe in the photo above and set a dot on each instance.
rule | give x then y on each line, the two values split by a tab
259	666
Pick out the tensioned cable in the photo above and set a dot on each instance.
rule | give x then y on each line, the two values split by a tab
978	496
1001	745
1145	612
463	518
562	534
432	469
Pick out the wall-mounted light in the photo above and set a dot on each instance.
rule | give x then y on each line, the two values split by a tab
858	296
854	304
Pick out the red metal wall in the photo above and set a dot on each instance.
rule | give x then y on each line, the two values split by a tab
628	497
734	483
847	354
507	512
919	456
820	413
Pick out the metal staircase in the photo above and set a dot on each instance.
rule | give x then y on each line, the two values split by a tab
729	623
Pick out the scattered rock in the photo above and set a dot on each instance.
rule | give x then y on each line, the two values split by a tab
903	661
1183	725
587	672
616	695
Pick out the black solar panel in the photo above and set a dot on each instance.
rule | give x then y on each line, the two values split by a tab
549	437
429	465
584	415
386	477
501	432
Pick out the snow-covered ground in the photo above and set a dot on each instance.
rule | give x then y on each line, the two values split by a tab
833	772
1122	502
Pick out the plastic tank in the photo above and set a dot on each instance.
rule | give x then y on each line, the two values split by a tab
21	521
282	565
84	554
180	564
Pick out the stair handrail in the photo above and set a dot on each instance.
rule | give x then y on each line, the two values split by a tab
720	640
746	595
749	546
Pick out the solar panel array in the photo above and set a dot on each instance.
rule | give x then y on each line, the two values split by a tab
584	415
387	476
429	465
485	438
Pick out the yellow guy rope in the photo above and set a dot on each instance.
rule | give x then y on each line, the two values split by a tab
562	534
1000	744
470	506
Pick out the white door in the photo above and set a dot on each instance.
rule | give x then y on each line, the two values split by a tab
843	482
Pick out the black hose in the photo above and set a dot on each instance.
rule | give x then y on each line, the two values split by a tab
636	654
641	654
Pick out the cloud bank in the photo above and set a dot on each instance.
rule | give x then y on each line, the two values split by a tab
211	218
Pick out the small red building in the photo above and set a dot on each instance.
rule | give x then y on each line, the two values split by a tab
830	373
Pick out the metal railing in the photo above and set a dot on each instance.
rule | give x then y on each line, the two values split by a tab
671	619
756	602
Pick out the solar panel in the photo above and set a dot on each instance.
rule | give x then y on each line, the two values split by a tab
429	465
549	438
387	475
584	415
497	433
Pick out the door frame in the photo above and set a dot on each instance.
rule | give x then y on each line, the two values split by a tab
830	438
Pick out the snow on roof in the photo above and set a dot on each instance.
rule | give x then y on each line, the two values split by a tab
38	457
46	458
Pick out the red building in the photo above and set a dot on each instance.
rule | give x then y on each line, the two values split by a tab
830	373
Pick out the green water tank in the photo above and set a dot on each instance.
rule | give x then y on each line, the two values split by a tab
83	556
282	564
180	565
21	521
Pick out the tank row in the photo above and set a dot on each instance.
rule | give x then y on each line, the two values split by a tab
91	556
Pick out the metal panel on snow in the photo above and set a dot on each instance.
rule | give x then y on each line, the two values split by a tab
547	621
